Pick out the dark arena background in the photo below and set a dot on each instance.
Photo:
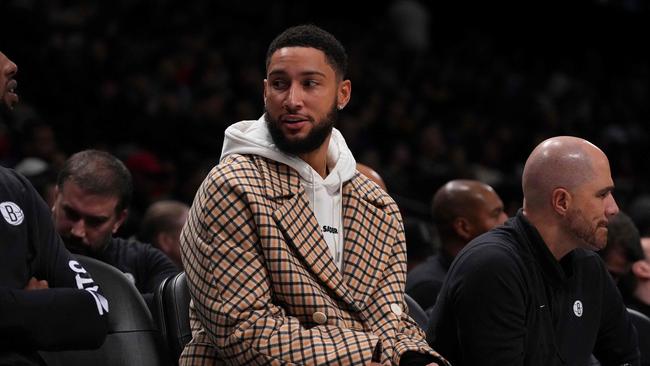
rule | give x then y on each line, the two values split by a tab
441	89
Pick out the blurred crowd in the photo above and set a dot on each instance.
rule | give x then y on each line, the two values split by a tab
440	91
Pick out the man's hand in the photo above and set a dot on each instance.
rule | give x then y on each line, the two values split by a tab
36	284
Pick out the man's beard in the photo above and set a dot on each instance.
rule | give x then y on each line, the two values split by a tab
311	142
582	229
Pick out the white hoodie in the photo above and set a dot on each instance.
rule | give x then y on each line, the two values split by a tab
325	195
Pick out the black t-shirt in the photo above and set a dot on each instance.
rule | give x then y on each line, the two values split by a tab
72	313
143	264
423	283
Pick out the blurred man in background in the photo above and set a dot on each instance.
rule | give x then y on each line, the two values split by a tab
462	210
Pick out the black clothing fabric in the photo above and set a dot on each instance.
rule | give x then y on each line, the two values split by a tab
508	301
423	283
71	313
145	265
411	358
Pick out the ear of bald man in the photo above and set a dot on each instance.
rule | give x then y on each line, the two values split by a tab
463	228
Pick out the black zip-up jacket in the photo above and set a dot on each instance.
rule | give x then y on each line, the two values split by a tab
508	301
72	313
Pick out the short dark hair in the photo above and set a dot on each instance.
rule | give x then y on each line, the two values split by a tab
98	172
309	35
622	233
161	216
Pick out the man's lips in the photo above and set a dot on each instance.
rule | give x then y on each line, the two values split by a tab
12	85
11	97
294	122
293	118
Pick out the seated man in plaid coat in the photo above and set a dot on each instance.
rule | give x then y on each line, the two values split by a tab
292	256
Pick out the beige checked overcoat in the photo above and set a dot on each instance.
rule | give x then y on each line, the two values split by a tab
264	287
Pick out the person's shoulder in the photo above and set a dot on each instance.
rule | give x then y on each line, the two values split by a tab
15	189
129	245
233	171
12	180
129	250
588	259
429	271
430	267
233	166
581	254
494	250
497	241
371	192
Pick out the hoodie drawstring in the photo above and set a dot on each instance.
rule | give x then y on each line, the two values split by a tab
337	238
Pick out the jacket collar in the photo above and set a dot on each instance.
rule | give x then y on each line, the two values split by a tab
530	237
369	233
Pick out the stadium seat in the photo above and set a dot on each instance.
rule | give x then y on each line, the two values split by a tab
642	325
172	302
417	313
132	340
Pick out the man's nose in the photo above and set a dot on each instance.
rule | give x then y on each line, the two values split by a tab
79	229
10	69
611	207
294	101
503	218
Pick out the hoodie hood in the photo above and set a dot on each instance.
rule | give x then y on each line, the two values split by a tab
325	195
253	137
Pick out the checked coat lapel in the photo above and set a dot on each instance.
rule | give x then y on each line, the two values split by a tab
367	231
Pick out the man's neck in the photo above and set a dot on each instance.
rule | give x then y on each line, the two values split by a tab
317	159
552	235
452	246
642	291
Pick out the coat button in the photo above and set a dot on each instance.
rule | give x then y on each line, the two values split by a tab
396	309
319	317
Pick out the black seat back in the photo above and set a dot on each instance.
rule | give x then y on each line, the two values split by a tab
642	325
417	313
132	339
172	300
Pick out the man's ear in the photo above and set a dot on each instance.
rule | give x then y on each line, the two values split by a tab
57	192
163	241
463	228
343	94
265	87
121	217
561	201
641	269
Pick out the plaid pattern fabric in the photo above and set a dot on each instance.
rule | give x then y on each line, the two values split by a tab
265	289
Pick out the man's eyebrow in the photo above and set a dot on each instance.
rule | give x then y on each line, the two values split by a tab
92	217
606	189
303	73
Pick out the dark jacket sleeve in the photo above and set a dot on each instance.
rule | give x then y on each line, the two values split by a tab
72	313
617	342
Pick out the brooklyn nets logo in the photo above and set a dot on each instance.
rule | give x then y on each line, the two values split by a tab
12	213
577	308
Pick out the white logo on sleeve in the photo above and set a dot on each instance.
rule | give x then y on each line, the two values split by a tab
12	213
577	308
84	282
